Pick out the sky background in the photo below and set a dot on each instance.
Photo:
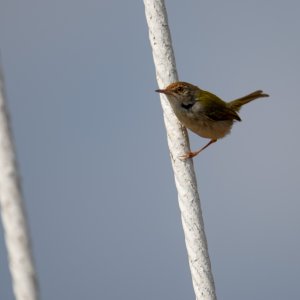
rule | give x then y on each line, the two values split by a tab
91	144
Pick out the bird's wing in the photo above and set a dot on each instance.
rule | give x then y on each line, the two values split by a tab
215	108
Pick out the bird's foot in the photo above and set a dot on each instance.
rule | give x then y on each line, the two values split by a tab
188	155
193	154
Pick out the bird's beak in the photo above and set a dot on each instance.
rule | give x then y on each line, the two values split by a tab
163	91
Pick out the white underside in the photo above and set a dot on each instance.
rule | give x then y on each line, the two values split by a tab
204	126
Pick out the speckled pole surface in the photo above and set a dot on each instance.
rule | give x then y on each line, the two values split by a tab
17	240
185	179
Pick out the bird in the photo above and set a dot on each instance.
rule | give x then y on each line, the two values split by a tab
203	112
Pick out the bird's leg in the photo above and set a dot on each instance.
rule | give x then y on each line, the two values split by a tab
193	154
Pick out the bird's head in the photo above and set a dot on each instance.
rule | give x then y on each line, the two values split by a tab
180	91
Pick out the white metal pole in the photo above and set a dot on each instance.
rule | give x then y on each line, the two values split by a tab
12	211
185	179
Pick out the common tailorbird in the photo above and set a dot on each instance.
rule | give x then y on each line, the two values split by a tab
203	112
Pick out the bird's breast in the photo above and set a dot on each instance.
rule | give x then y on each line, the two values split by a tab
202	125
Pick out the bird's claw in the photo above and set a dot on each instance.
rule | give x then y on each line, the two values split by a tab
187	155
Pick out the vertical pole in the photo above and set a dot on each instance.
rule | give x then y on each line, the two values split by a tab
185	179
12	211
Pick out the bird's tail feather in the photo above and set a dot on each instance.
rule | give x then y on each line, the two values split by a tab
238	103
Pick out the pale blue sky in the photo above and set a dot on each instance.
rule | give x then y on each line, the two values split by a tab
91	144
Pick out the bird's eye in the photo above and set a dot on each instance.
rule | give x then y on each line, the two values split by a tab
180	89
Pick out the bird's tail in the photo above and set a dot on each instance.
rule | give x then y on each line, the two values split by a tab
238	103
